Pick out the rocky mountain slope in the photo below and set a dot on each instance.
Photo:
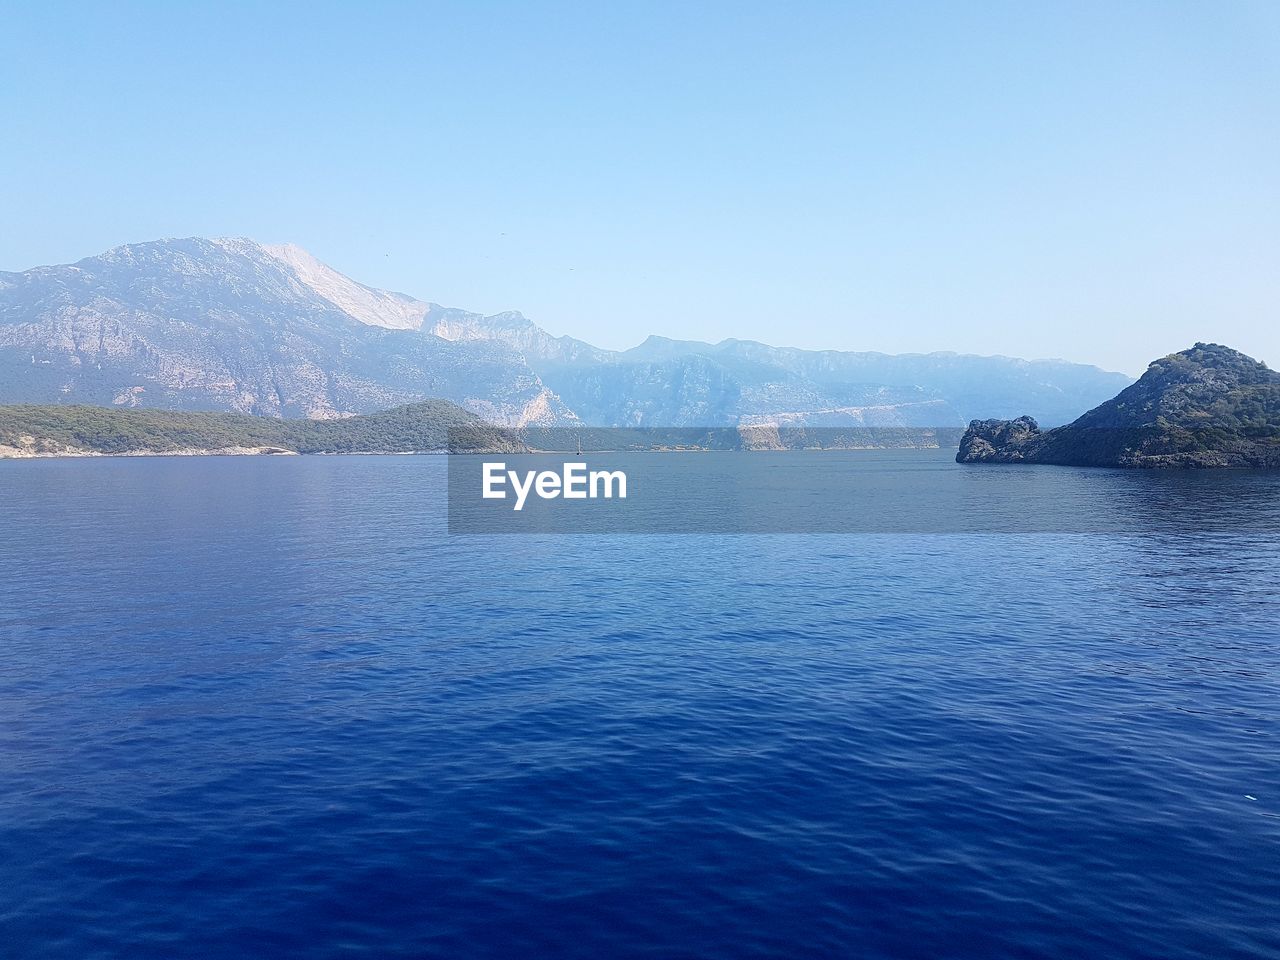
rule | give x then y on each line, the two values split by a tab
1209	406
234	325
231	325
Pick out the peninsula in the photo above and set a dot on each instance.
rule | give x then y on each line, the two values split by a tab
86	431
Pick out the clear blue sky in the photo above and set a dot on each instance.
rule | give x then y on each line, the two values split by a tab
1095	181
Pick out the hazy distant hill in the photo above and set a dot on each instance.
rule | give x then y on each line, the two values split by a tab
78	430
234	325
738	381
1209	406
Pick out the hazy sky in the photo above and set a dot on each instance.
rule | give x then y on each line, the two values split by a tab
1099	182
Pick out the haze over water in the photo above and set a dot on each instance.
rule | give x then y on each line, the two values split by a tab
266	706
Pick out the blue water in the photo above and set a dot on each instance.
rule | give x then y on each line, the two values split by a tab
269	708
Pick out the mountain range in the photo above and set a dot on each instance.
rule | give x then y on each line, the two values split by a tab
234	325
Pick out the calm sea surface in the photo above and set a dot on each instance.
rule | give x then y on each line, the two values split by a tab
257	707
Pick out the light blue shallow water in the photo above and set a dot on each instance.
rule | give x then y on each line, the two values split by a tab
267	707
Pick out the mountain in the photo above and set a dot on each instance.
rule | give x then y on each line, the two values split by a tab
1209	406
73	430
739	381
665	382
234	325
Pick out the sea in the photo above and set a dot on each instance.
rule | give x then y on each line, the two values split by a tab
274	707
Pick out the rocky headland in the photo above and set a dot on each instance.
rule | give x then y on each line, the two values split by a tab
1209	406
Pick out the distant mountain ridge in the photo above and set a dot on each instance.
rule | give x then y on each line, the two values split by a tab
1207	406
234	325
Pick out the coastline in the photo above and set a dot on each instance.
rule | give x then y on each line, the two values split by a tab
10	452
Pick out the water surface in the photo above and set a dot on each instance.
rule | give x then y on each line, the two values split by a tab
269	707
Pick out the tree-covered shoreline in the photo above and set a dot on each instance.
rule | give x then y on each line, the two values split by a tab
433	425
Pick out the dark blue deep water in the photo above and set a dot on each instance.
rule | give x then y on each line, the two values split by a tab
268	708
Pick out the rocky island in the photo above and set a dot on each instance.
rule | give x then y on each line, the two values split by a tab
1209	406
